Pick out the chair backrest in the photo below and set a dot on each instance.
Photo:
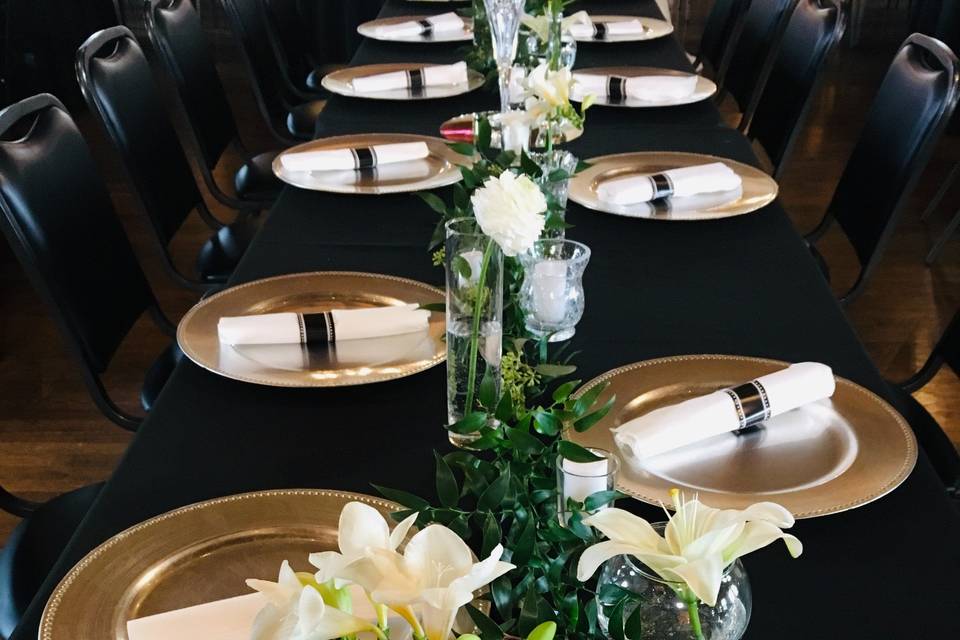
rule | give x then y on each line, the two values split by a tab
949	346
753	52
911	109
58	217
720	32
176	33
265	63
292	28
813	30
118	85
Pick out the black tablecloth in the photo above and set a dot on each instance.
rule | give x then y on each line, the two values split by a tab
743	285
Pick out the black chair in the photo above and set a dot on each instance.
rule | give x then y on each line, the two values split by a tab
755	49
176	33
912	107
291	21
941	242
34	546
278	99
60	222
721	30
116	81
941	451
813	30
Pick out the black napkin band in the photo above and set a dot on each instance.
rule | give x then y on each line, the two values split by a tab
364	158
599	31
317	328
751	402
662	186
426	27
415	81
616	88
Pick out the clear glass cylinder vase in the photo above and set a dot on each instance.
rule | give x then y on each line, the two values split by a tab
556	168
669	611
474	271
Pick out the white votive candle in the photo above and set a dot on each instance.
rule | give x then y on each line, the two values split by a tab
582	479
549	291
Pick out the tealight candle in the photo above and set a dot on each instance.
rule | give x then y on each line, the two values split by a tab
549	291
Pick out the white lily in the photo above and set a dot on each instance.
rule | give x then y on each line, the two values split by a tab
296	611
540	25
437	572
361	529
698	544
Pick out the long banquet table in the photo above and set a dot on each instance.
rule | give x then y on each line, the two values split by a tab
743	285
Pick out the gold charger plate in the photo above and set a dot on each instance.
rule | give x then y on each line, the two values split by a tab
653	28
757	191
439	169
368	30
706	88
826	457
193	555
350	362
341	82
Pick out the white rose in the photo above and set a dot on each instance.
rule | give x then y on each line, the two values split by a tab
510	210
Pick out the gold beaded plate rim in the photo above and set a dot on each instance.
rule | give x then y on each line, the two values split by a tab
320	291
96	596
885	446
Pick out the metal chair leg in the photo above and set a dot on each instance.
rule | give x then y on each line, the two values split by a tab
941	192
941	242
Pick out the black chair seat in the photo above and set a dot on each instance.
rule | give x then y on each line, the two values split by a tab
931	437
32	549
158	374
255	179
223	251
302	119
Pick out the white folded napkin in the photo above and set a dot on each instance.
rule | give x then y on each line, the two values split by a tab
697	419
384	174
652	88
322	328
680	183
354	158
443	23
414	79
670	207
601	30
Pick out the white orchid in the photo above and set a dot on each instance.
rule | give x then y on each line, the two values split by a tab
510	210
295	610
436	572
698	544
540	25
547	95
361	529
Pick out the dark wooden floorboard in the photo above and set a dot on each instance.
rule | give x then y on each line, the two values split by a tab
53	439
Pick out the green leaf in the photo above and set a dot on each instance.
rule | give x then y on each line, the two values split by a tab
610	594
447	488
528	166
633	628
461	267
484	134
543	631
601	498
558	175
460	526
615	628
588	398
575	453
591	419
470	179
546	423
489	630
491	535
460	197
487	392
433	201
406	499
494	493
463	148
501	592
523	547
582	165
590	615
504	411
563	392
523	441
529	612
470	423
555	370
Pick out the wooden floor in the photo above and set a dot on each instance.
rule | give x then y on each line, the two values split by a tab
53	439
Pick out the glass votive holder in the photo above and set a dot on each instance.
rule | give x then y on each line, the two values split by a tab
552	292
580	480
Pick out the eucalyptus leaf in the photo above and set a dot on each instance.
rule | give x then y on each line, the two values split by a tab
591	419
563	392
546	423
447	488
433	201
555	370
588	398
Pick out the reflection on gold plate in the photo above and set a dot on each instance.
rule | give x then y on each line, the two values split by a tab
757	190
439	169
823	458
349	362
341	82
369	30
193	555
705	88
